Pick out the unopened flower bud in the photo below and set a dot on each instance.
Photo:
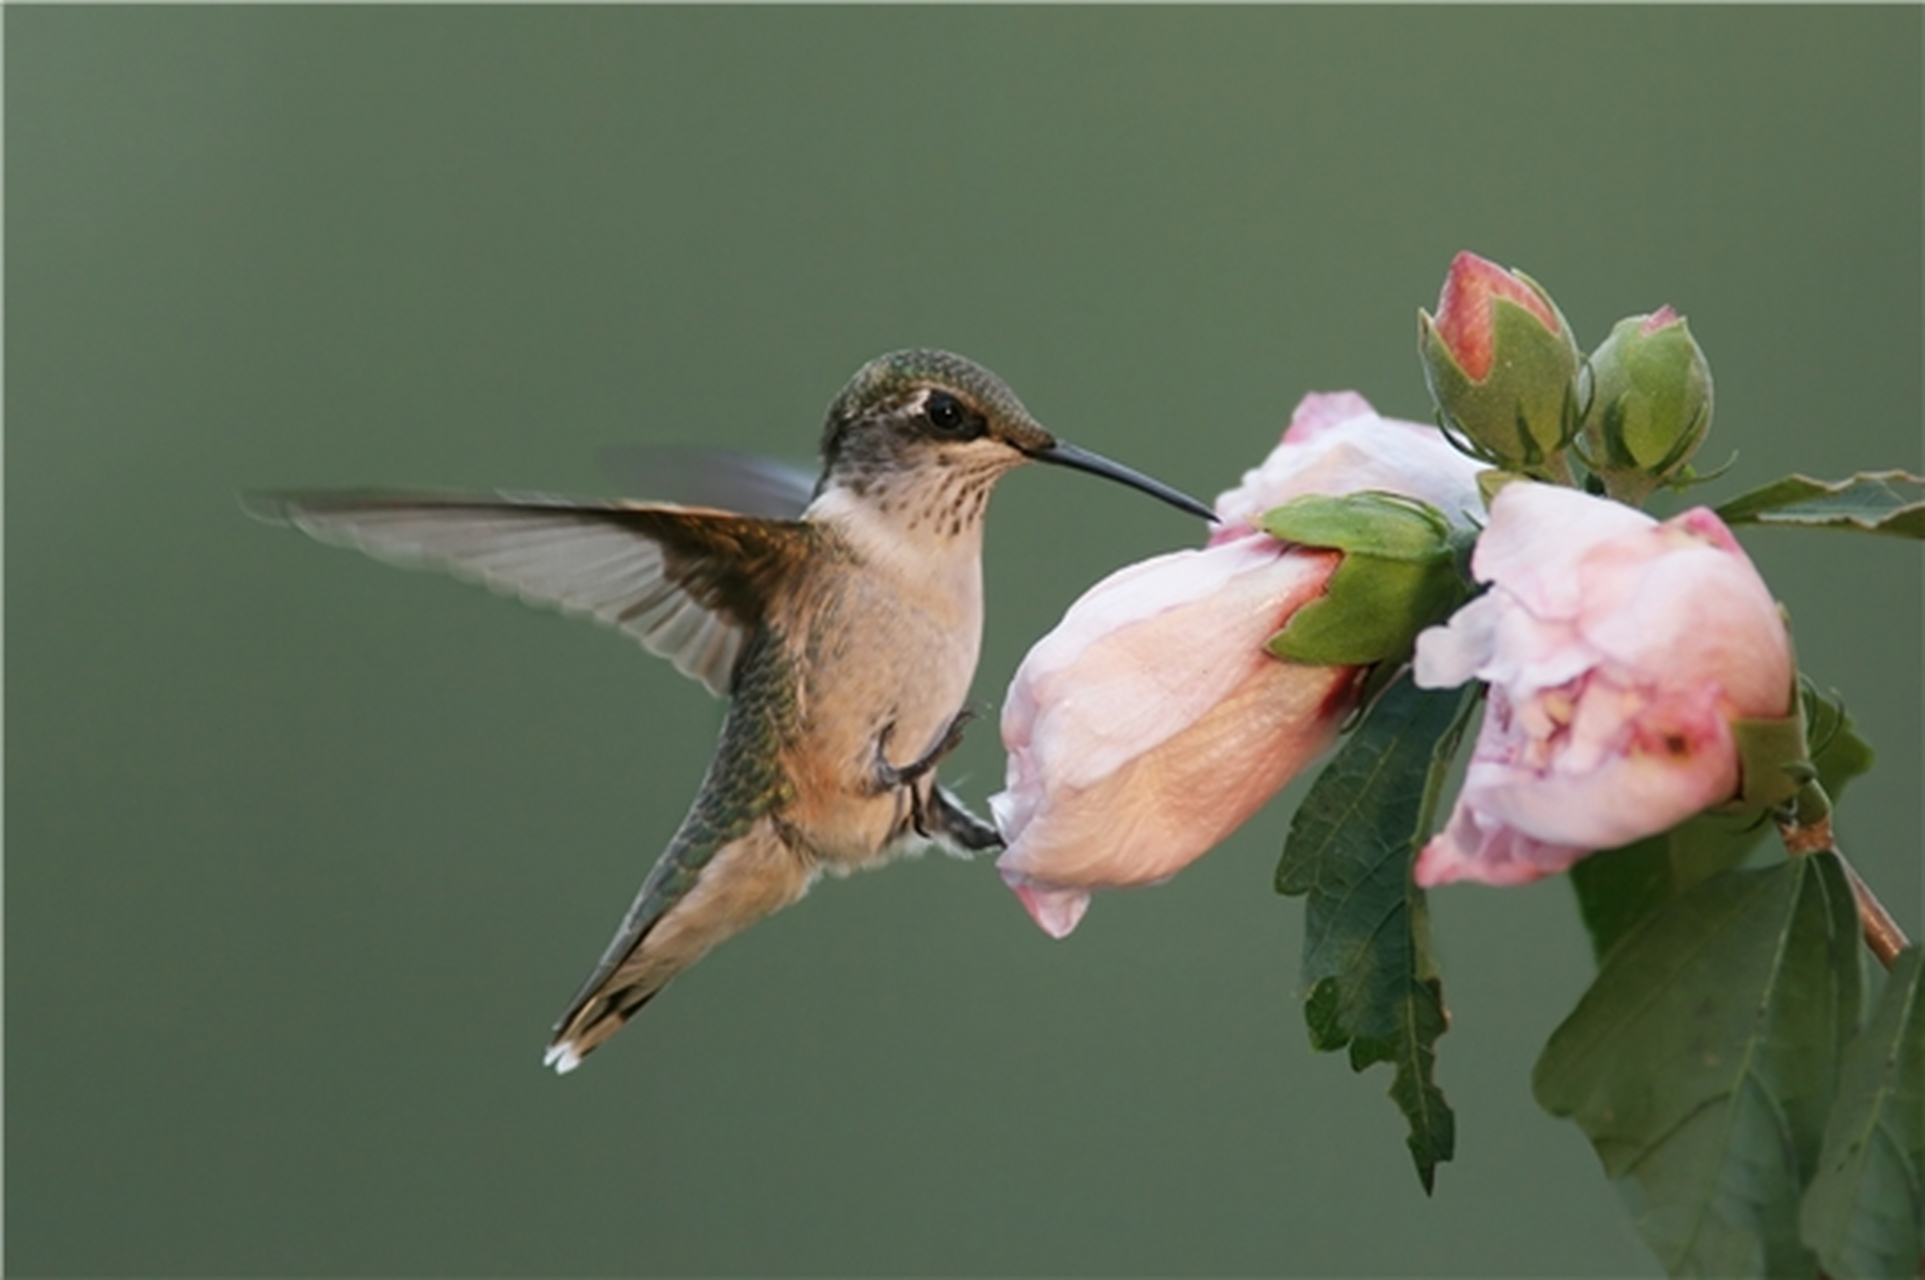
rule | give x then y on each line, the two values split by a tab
1502	367
1649	404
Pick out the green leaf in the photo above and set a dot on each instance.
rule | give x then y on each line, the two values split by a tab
1367	966
1872	501
1861	1213
1703	1059
1619	887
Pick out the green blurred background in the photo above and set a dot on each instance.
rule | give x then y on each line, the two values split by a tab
304	854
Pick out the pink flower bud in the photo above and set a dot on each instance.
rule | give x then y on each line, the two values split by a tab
1151	723
1618	651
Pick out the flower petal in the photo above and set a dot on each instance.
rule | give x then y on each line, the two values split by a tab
1152	723
1324	454
1056	912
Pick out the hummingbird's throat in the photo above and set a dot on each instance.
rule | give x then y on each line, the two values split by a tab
943	498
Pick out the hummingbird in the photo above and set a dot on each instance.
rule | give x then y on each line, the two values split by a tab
842	622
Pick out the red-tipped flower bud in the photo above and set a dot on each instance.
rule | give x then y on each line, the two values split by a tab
1501	366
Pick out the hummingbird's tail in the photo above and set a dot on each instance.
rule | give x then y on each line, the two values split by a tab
683	910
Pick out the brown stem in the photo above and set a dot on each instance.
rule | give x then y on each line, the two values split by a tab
1882	933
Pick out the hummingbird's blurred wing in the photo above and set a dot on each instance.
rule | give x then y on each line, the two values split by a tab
749	483
688	583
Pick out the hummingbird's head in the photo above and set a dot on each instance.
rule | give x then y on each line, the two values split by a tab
925	434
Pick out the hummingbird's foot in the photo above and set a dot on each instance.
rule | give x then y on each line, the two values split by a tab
945	821
923	807
889	777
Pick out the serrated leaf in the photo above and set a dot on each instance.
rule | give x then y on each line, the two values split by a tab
1862	1211
1872	501
1367	969
1703	1059
1617	888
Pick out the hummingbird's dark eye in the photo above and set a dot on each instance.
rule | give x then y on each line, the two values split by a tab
946	413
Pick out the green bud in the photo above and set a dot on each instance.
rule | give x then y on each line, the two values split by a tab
1502	367
1649	405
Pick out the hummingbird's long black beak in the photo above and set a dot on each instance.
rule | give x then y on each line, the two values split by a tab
1068	455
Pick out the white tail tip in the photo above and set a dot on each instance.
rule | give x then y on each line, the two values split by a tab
562	1057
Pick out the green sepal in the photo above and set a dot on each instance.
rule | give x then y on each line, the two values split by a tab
1816	742
1889	502
1772	764
1831	740
1492	479
1837	755
1524	412
1389	526
1399	574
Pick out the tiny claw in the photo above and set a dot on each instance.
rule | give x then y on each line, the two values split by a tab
886	777
952	736
889	777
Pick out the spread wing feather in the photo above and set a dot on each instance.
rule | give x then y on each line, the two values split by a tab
749	483
686	582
